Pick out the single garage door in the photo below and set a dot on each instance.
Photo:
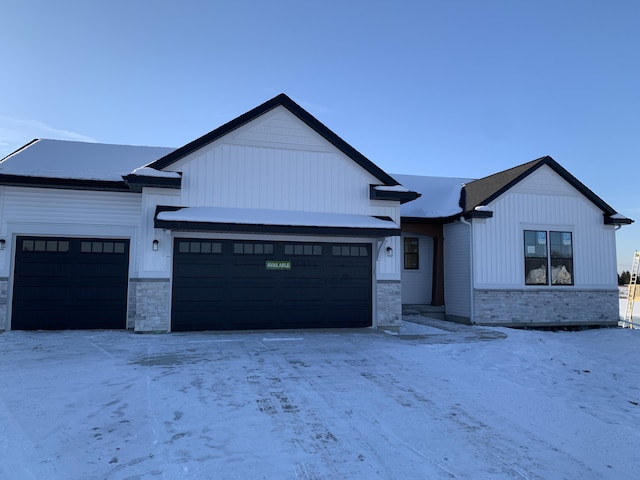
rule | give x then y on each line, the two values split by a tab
233	285
70	283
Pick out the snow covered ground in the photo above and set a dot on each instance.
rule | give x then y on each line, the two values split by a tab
636	311
439	401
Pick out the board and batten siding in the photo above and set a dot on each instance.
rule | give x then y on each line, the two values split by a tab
155	264
417	285
277	162
61	212
542	201
457	264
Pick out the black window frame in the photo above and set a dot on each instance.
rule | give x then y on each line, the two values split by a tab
411	259
548	258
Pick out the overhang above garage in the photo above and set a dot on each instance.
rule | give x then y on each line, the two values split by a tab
217	219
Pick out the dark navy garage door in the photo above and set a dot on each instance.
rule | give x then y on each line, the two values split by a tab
70	283
233	285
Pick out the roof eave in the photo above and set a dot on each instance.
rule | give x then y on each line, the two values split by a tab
194	226
608	220
64	183
138	182
478	214
402	197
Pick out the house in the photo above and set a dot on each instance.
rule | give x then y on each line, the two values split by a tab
273	221
529	246
269	221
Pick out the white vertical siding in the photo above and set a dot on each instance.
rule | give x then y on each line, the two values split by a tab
47	211
388	266
417	285
239	176
457	265
542	201
277	162
158	263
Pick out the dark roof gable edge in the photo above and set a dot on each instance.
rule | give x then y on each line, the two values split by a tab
298	111
536	164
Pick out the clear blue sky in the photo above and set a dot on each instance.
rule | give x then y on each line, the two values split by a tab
448	88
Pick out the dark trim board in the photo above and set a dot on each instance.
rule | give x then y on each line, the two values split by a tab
64	183
271	229
277	229
137	182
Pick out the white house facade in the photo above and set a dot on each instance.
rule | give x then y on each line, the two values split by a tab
270	221
531	246
273	221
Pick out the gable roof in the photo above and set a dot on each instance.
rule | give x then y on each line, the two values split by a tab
286	102
445	199
480	192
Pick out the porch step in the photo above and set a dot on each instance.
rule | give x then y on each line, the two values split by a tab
431	311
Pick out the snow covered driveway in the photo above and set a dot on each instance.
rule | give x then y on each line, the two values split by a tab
443	401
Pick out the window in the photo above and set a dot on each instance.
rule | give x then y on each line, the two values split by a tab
189	246
302	249
541	249
102	247
253	248
349	251
45	246
411	253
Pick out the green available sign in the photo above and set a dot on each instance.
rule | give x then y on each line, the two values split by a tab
278	265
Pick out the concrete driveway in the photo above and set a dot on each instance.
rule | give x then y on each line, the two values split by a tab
272	404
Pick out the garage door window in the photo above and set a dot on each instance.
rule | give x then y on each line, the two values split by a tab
45	246
349	251
102	247
199	247
306	249
253	248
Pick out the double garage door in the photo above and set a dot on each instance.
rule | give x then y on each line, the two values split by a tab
81	283
70	283
234	284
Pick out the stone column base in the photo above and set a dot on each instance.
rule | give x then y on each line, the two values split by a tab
149	308
389	305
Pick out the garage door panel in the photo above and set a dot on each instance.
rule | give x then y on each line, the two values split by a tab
199	295
44	269
41	290
100	270
98	293
199	273
58	286
272	285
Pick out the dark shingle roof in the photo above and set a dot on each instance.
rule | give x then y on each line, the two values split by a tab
481	192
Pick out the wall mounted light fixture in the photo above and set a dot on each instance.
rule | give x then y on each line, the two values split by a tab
3	243
155	245
389	252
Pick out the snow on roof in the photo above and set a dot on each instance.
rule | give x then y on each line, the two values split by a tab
391	188
244	216
619	216
79	160
152	172
440	195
